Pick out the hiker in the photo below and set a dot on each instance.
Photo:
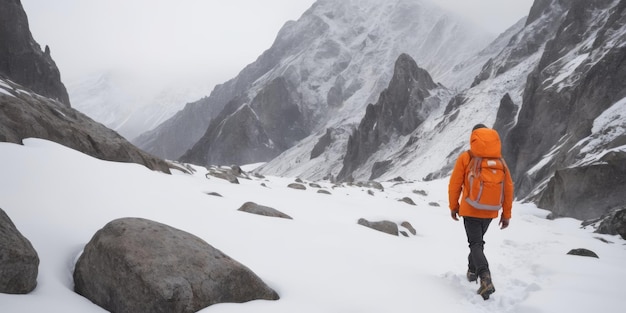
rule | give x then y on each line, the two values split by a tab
482	177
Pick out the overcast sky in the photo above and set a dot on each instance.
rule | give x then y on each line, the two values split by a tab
191	36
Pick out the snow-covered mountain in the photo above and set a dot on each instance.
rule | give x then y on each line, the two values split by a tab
328	66
132	104
554	92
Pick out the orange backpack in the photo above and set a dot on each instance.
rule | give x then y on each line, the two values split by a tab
487	171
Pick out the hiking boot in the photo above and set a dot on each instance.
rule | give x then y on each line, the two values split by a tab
471	276
486	286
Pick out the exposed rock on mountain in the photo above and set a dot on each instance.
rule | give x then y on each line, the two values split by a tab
335	59
272	122
614	223
24	114
401	108
21	58
569	135
137	265
555	92
19	262
390	158
29	108
505	119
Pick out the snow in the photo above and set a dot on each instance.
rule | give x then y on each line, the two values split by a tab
567	70
321	261
607	128
4	88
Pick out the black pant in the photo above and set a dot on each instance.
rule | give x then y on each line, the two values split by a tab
475	228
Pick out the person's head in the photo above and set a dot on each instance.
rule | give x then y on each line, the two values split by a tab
485	142
477	126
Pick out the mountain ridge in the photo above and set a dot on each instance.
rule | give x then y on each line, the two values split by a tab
335	55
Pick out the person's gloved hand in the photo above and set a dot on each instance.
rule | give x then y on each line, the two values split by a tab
504	223
454	214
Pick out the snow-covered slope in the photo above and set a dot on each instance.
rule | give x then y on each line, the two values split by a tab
322	260
133	104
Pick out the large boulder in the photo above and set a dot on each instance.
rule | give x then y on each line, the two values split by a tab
586	192
137	265
19	262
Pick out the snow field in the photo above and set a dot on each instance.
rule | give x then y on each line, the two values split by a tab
321	261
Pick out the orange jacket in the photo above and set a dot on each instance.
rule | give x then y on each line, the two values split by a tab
484	142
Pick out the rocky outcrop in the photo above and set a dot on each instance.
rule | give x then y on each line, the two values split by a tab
614	223
542	22
252	132
585	192
21	58
19	262
137	265
229	173
34	102
573	84
322	143
505	119
400	109
25	114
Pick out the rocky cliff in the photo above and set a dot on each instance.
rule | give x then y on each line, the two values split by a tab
570	131
21	58
34	102
401	108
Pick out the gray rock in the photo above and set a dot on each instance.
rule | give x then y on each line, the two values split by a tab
585	192
297	186
321	145
324	191
383	226
421	192
22	59
19	262
251	207
368	184
137	265
400	109
222	173
40	107
505	119
253	131
614	223
407	200
583	252
554	118
410	227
